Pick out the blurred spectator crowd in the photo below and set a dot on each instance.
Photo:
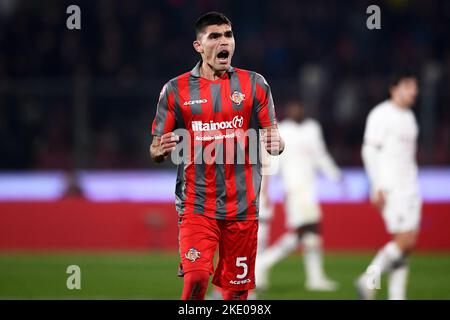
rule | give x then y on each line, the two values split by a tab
86	98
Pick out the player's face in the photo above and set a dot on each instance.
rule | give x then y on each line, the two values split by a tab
406	91
216	46
295	111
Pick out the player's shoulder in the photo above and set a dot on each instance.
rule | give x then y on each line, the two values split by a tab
173	83
380	110
285	123
176	79
259	78
312	123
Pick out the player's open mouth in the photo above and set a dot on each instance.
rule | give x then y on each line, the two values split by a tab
223	55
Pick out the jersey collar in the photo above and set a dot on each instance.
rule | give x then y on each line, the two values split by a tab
196	71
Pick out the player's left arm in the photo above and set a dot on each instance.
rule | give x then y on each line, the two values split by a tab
325	162
265	111
272	140
374	136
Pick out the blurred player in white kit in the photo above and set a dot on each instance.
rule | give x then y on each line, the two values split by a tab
389	156
305	154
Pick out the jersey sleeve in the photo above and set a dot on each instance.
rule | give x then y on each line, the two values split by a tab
264	108
164	120
375	130
325	162
374	135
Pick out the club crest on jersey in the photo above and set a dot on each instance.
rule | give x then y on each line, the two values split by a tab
192	255
237	97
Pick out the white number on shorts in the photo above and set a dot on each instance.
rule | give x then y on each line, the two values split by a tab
240	263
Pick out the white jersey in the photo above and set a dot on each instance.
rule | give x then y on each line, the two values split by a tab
393	132
305	154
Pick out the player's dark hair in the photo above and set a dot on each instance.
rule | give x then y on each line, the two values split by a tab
293	98
209	19
400	75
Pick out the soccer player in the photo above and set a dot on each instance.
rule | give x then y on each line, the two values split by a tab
304	157
215	105
388	154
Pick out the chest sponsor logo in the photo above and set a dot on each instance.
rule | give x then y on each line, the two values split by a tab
237	122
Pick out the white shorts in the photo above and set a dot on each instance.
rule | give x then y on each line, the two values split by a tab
301	209
402	212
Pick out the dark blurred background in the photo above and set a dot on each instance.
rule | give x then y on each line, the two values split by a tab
86	98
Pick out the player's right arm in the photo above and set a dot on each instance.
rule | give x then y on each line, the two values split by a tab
164	140
325	162
373	143
162	146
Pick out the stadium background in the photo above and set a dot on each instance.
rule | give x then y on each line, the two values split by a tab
76	183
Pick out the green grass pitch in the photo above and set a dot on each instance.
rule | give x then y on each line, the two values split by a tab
152	275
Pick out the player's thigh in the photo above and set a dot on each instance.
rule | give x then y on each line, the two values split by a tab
237	255
198	239
402	212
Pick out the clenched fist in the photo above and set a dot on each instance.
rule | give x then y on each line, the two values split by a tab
272	140
162	146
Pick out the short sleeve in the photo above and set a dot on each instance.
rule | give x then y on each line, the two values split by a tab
375	130
264	108
164	120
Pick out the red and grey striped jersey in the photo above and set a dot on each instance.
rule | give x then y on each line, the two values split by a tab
216	117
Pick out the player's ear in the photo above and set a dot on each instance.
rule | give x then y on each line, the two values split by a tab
198	46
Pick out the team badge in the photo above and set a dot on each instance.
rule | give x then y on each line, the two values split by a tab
237	97
192	255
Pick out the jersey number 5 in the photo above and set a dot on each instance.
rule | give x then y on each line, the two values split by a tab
240	263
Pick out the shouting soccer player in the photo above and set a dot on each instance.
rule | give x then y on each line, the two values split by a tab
217	194
388	153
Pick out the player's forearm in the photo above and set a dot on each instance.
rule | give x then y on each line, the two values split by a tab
370	156
264	185
329	167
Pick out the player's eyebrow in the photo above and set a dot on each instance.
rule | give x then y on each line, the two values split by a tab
228	34
215	35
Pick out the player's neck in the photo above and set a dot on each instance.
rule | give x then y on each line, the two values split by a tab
398	104
208	72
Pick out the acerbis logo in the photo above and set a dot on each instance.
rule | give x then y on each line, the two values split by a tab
191	102
237	122
240	281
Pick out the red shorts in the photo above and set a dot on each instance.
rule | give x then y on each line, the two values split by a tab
237	240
